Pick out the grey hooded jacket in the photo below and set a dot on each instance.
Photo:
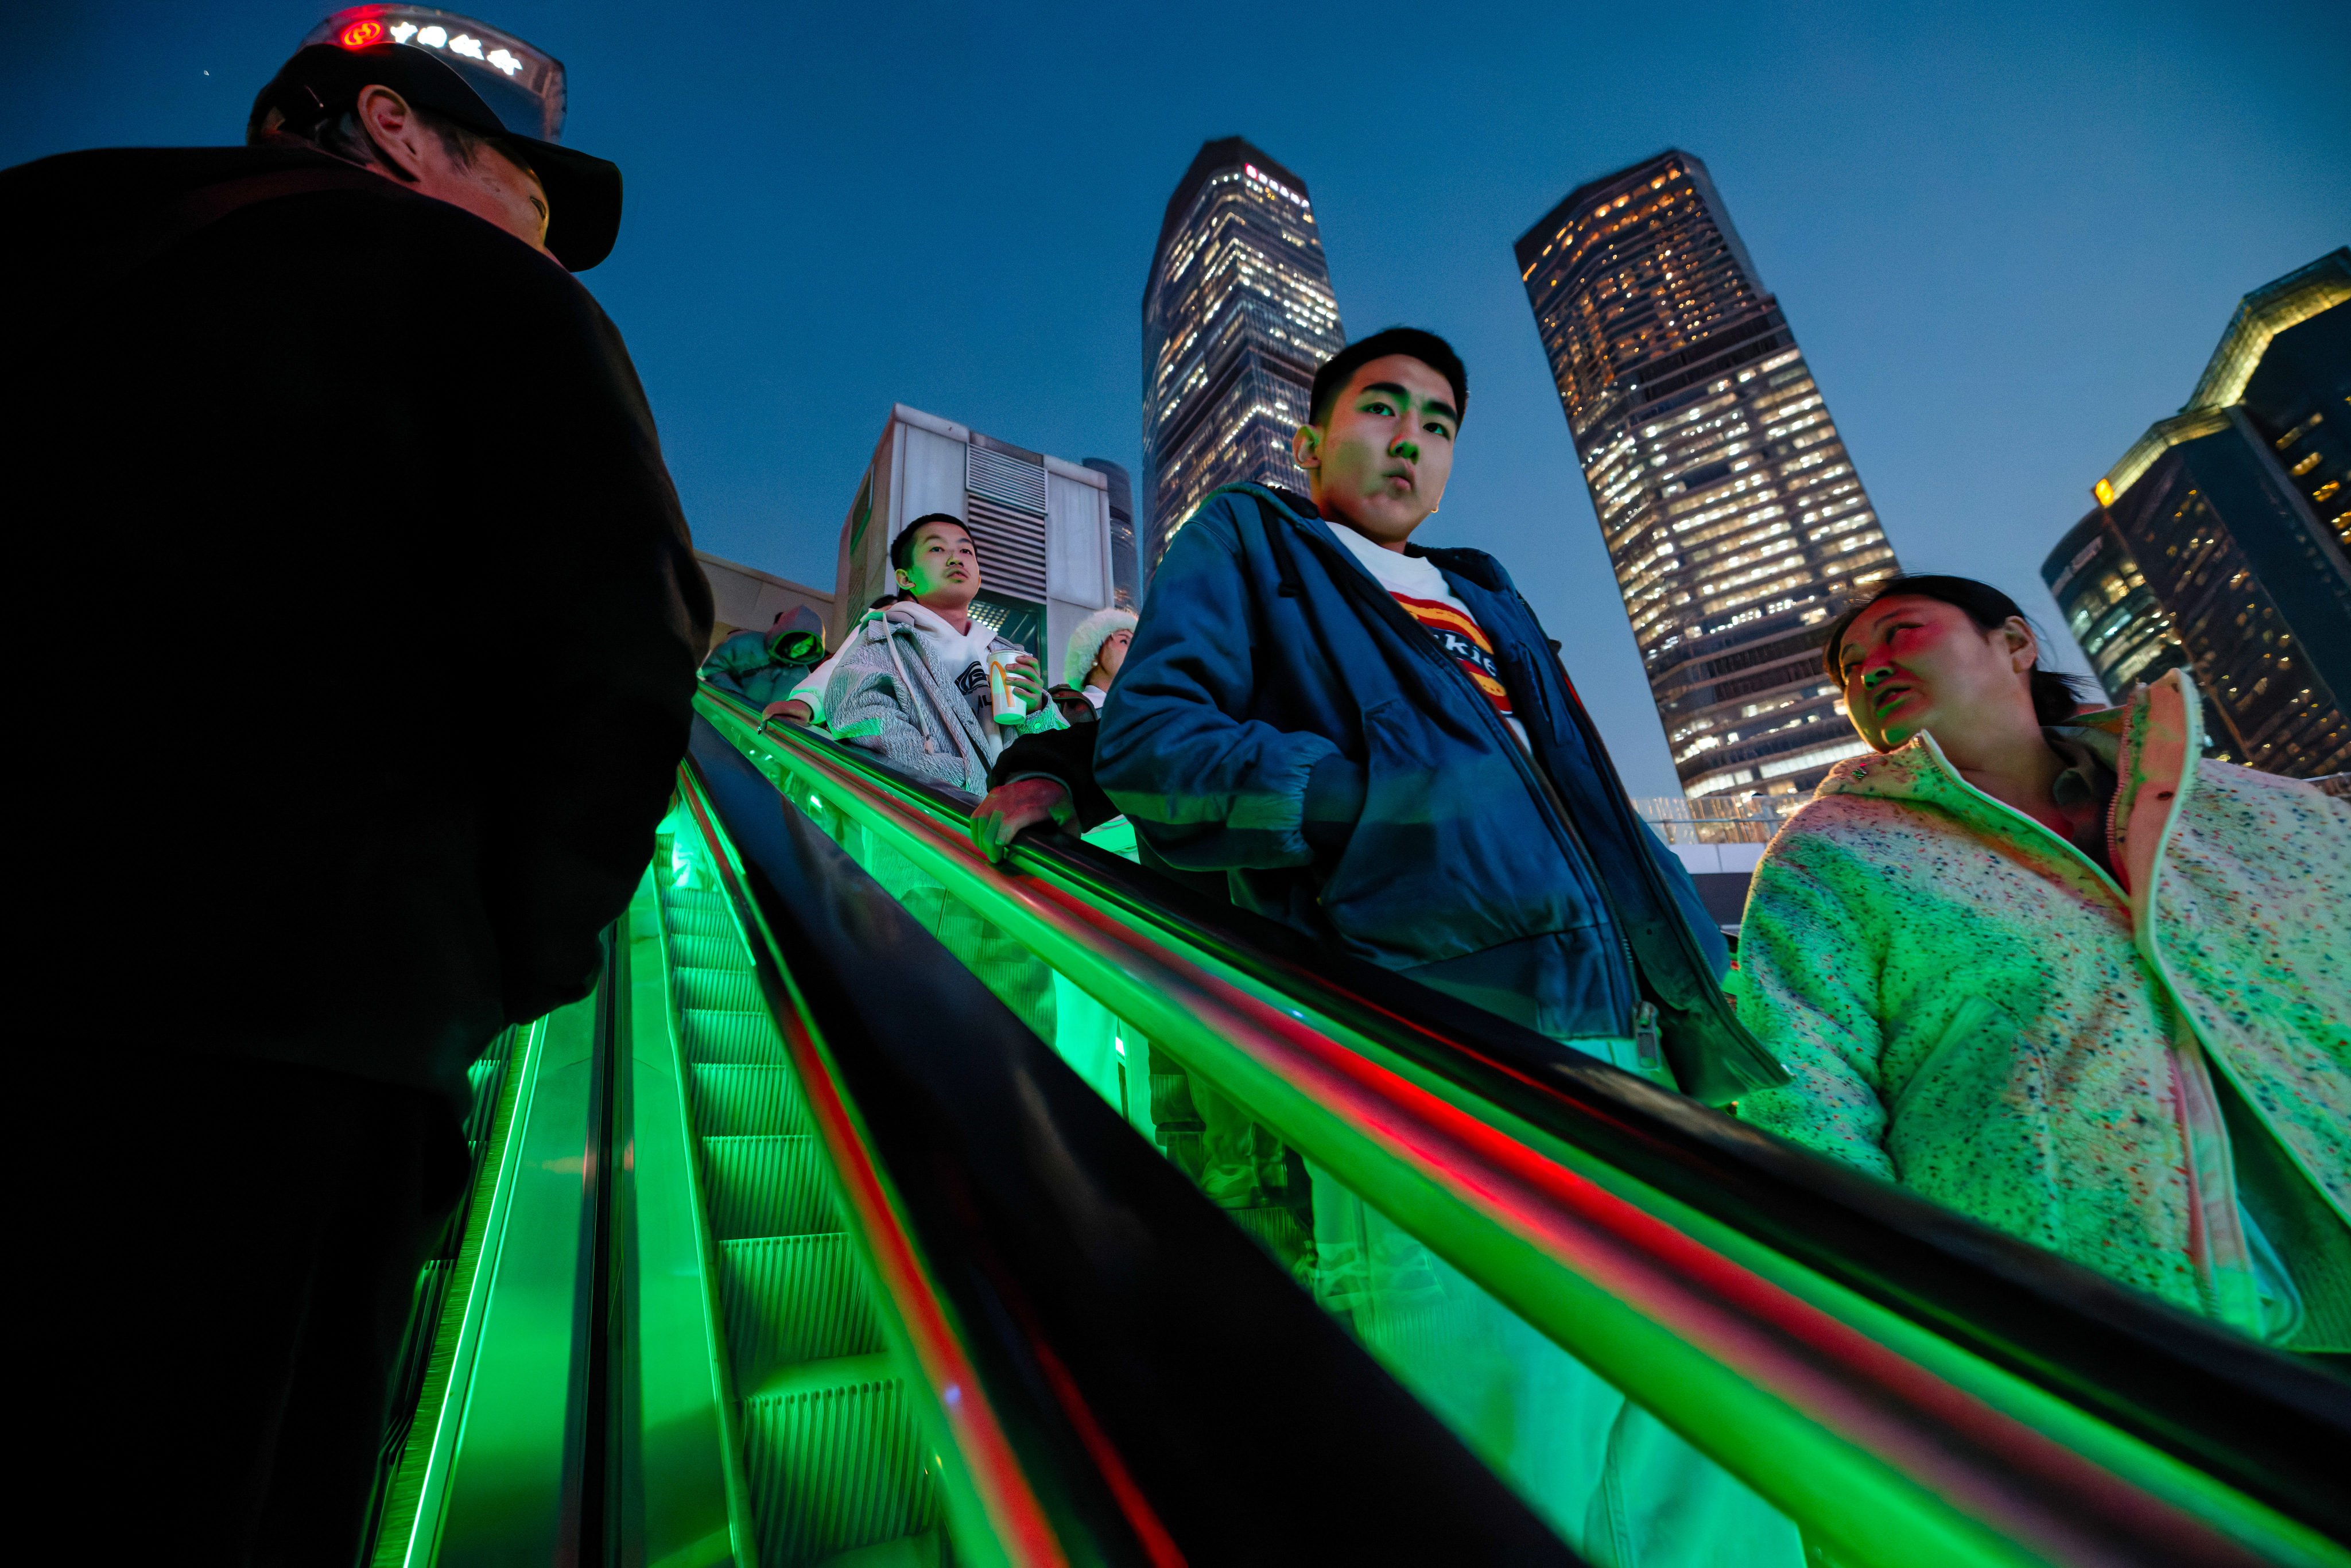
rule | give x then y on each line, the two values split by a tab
893	693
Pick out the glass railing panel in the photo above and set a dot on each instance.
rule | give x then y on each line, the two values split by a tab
1544	1422
1610	1393
1173	1386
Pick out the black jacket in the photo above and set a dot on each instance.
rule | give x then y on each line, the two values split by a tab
343	454
1064	756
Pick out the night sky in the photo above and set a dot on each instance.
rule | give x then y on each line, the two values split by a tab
2008	237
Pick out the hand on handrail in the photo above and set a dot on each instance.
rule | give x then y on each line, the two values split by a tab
1012	809
791	709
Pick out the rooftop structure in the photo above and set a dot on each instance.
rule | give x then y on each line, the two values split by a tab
1043	527
2233	514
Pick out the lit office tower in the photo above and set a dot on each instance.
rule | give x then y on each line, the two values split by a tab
2219	541
1734	520
2112	613
1237	317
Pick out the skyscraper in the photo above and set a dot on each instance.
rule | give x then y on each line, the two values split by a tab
1734	520
2232	513
1237	315
1126	572
2107	605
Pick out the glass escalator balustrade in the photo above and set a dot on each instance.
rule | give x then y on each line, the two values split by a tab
1701	1466
1609	1478
1658	1379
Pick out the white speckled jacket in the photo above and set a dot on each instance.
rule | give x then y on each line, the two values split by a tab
2149	1073
912	688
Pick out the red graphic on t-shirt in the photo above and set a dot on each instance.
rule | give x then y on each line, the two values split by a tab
1459	635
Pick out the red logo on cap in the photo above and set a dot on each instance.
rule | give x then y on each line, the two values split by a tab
359	34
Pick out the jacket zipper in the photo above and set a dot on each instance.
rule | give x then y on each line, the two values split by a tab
1711	993
1561	823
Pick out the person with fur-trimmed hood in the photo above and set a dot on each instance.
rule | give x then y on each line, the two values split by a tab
911	680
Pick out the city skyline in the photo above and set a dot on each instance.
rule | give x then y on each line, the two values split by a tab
826	213
1237	315
1734	520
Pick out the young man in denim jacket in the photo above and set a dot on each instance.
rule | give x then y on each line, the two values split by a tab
1375	744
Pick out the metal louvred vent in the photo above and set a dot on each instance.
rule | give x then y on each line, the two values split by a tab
1005	480
1011	546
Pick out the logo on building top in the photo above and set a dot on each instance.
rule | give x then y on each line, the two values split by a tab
1270	183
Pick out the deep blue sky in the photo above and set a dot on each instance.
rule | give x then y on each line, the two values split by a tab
2008	237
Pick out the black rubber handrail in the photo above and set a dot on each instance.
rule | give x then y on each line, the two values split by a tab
2270	1424
1179	1390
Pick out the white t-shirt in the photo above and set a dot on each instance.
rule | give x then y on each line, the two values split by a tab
1415	584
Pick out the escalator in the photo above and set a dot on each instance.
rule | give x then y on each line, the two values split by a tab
884	1209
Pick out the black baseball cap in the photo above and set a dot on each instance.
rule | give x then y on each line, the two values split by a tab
583	193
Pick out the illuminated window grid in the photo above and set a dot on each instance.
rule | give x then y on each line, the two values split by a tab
1239	314
1732	515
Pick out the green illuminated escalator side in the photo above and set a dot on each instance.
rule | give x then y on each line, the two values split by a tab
833	1464
428	1346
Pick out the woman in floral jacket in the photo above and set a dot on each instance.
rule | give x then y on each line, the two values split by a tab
2058	972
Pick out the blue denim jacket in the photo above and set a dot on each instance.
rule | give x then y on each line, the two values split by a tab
1527	886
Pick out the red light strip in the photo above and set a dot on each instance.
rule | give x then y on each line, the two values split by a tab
1942	1438
1013	1511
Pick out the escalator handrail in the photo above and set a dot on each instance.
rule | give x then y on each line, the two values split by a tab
1056	1238
1907	1253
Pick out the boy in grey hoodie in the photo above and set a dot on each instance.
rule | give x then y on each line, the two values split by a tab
911	680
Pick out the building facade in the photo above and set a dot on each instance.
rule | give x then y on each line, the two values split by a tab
745	599
1041	525
1237	315
2113	615
2234	514
1126	575
1732	515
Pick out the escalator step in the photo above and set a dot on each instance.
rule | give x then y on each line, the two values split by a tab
721	990
696	900
731	1100
792	1300
716	924
722	950
485	1078
750	1039
768	1185
834	1463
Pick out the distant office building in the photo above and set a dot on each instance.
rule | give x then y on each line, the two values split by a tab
1041	525
2107	605
1732	515
1237	317
1125	570
2234	513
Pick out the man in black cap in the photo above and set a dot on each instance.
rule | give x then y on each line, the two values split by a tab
330	410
